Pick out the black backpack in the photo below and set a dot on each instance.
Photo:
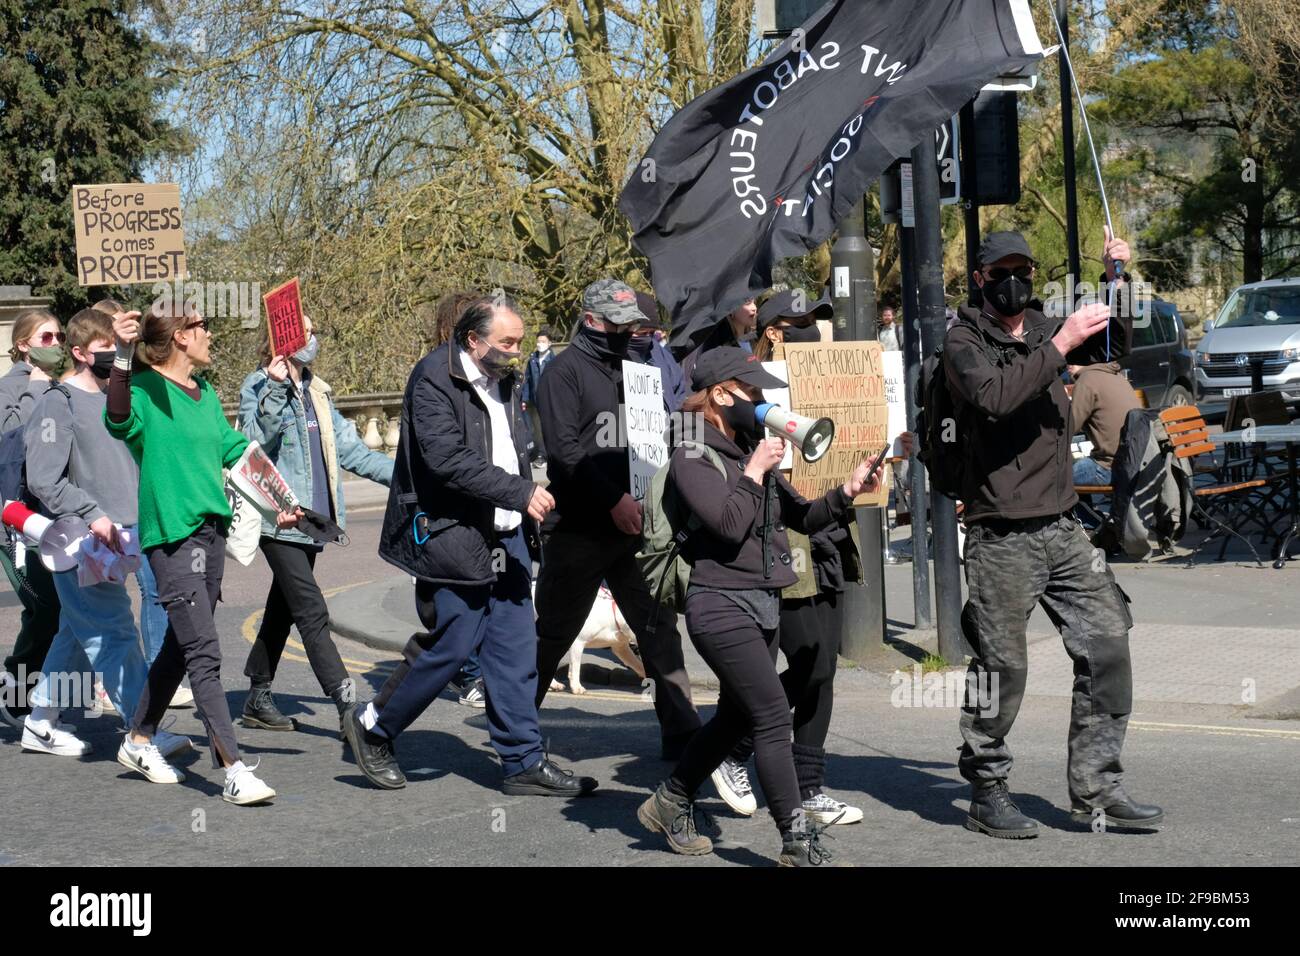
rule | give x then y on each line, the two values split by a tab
941	421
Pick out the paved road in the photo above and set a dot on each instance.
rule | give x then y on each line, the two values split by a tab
1228	781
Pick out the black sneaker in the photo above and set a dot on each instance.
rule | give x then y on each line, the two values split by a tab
674	816
1123	815
374	754
993	812
260	710
806	849
11	714
545	779
474	695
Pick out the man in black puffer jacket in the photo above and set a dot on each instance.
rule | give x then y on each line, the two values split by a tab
461	518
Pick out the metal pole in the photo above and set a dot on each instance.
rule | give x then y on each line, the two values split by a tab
1067	146
928	237
855	320
911	344
970	188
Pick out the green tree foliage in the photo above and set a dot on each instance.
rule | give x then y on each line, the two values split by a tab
79	103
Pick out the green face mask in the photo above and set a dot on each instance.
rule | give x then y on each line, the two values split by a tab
50	359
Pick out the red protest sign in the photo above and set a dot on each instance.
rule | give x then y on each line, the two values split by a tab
284	316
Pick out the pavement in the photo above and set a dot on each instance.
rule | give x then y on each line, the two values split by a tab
1214	738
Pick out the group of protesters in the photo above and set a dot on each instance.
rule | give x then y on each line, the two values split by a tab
121	430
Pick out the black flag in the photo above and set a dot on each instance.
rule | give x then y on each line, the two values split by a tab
763	167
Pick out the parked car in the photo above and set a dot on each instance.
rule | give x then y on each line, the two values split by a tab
1259	324
1159	361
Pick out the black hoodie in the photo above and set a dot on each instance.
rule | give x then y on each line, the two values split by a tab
727	550
1015	433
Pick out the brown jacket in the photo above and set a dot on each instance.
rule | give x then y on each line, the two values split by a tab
1101	402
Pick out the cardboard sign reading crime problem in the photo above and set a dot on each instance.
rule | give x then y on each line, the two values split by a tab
128	233
842	381
284	317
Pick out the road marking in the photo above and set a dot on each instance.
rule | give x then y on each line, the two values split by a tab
250	625
1215	730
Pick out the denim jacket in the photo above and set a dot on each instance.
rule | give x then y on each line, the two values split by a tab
271	413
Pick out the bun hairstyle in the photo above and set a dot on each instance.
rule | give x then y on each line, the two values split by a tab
25	326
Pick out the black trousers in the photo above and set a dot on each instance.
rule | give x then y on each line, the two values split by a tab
189	586
752	702
810	640
39	621
294	598
573	565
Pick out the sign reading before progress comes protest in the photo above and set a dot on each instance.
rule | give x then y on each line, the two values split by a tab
128	233
284	316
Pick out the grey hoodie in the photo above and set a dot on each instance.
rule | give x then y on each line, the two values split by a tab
18	393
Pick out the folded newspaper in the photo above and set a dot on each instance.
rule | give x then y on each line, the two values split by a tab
260	482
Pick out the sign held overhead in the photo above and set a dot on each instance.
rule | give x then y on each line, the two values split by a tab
128	233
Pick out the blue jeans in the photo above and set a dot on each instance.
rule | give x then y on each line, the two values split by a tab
1088	472
98	620
497	619
153	619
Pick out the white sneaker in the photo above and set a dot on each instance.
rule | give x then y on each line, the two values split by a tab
148	760
184	697
824	810
170	744
242	788
103	703
732	781
43	737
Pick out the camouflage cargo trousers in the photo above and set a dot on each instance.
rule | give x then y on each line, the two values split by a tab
1011	566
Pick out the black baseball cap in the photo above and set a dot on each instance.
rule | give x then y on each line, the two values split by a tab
996	245
650	309
727	362
782	306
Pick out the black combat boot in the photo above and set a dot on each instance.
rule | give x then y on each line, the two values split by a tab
993	812
260	710
1124	814
806	848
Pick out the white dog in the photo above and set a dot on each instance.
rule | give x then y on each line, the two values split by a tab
604	627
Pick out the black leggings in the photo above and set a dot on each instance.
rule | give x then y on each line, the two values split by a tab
810	641
752	701
294	598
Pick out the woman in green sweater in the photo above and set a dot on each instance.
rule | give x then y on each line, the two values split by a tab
174	426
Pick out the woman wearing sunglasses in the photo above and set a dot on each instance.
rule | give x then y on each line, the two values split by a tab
173	423
39	354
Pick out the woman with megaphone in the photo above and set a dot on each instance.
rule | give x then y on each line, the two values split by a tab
172	422
740	561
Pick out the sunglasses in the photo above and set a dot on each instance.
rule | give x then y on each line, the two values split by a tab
200	324
49	338
999	273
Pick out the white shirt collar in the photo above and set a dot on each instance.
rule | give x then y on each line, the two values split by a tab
472	372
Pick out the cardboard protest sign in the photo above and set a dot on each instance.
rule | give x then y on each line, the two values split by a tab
284	316
128	233
842	381
644	421
896	398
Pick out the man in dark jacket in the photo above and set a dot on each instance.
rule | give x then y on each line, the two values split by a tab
537	362
461	518
599	529
1023	547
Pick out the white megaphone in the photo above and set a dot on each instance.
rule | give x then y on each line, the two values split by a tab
812	436
59	541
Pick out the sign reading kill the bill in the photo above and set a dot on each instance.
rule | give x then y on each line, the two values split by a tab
128	233
284	316
842	381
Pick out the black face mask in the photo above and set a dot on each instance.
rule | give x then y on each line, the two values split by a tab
498	364
608	346
801	333
640	346
740	415
102	367
1008	296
